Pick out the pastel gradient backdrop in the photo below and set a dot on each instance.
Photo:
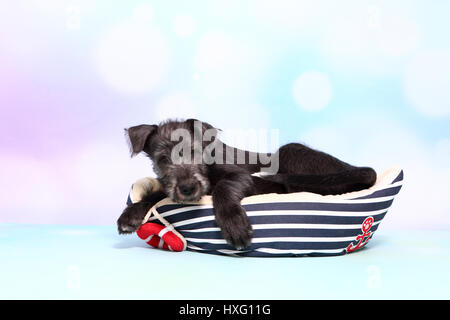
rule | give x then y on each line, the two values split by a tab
367	81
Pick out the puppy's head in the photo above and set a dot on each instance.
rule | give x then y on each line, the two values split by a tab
175	148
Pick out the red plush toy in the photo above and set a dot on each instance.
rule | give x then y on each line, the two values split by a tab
161	237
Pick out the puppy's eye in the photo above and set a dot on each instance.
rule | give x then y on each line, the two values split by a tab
181	153
163	160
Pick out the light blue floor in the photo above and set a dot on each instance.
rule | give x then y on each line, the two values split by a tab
92	262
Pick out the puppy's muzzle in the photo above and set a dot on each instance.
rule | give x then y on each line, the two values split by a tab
188	189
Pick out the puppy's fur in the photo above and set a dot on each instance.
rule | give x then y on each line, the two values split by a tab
300	169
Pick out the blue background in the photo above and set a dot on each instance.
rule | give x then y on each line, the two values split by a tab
367	81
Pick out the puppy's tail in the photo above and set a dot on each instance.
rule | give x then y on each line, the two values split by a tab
335	183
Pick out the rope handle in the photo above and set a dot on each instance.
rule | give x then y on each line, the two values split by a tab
157	216
168	226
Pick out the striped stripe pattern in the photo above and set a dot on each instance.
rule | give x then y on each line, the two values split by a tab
287	228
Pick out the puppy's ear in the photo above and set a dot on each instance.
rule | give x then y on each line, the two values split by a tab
139	136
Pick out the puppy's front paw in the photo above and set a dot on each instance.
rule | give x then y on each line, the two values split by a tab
131	218
235	227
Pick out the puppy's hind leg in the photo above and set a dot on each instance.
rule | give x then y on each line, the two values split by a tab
336	183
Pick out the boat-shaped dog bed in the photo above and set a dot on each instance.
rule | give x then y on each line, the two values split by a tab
295	224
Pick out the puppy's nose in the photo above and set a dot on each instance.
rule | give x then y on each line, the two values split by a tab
188	188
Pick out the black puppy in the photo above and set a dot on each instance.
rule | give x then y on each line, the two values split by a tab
202	165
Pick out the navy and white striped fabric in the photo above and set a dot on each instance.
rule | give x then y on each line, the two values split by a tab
319	226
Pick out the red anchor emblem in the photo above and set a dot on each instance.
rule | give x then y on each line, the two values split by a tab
366	225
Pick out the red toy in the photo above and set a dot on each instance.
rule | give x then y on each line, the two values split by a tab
161	237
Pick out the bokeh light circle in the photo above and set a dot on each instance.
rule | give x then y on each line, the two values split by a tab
184	25
312	90
133	57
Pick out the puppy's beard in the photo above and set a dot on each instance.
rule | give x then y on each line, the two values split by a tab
204	183
170	189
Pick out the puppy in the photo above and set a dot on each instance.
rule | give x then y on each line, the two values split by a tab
190	161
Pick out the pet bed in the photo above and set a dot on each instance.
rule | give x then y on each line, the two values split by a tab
295	224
